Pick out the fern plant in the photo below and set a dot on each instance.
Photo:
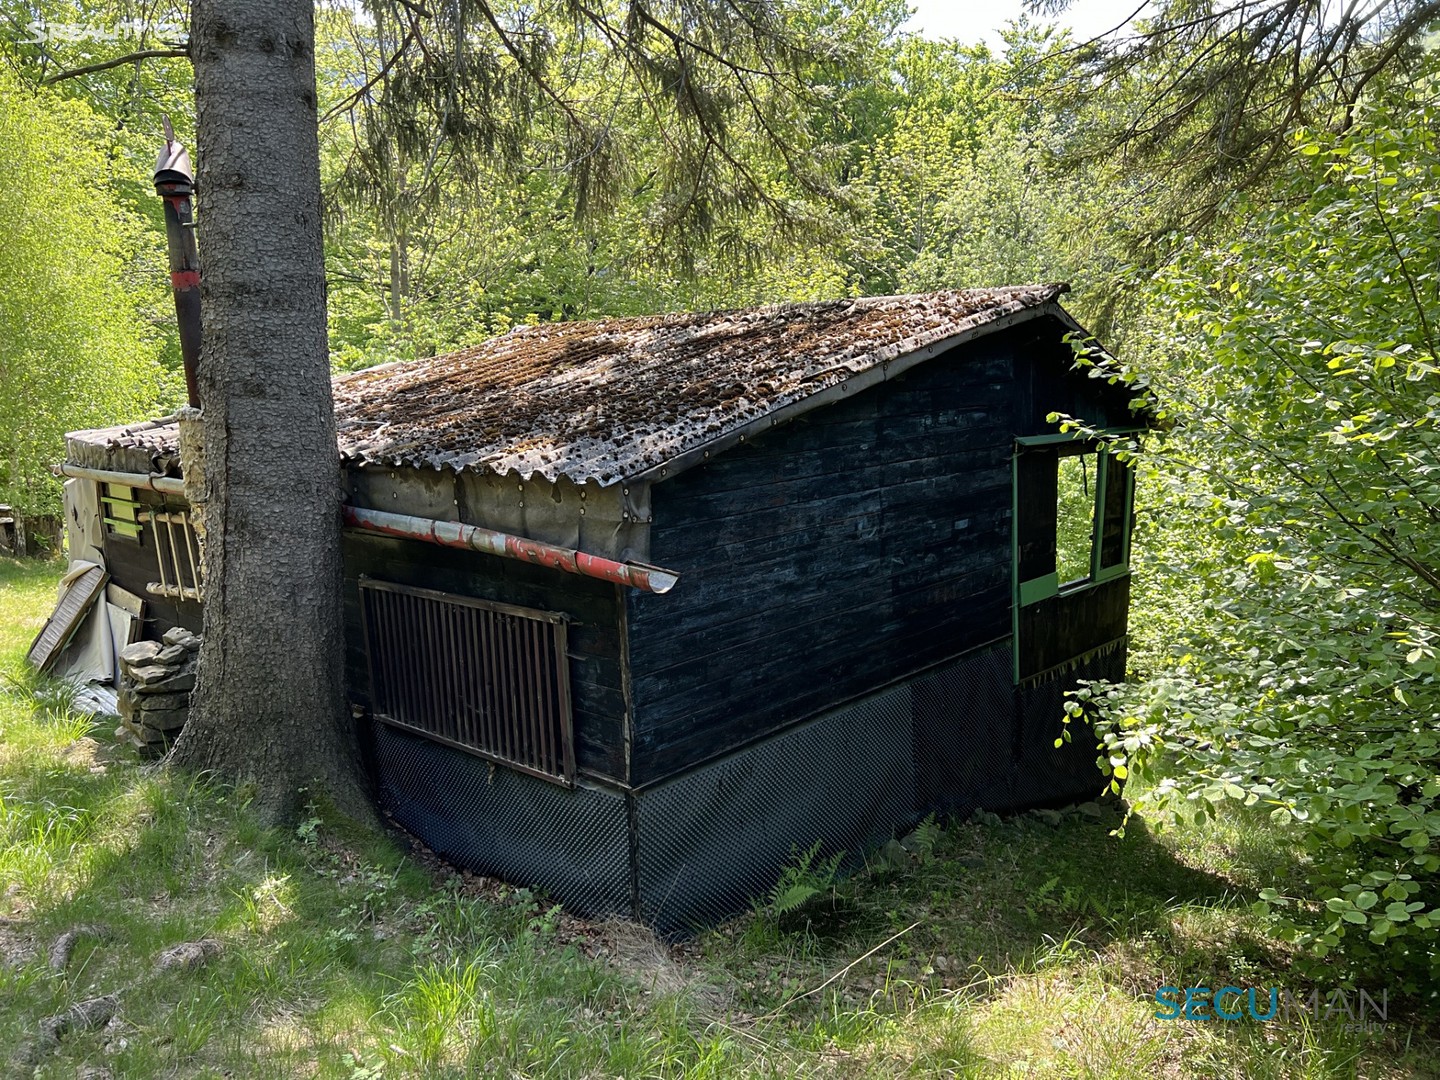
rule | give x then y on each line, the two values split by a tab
806	878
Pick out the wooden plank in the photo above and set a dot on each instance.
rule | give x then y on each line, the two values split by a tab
724	625
695	537
1063	627
849	476
74	603
1046	382
866	636
758	464
829	680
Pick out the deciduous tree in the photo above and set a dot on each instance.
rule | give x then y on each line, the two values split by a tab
74	349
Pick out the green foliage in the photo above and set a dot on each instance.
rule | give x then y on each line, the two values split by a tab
1075	516
945	160
1294	512
613	172
1202	99
805	879
74	351
1286	546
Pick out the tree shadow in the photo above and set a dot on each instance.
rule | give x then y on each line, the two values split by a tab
1011	896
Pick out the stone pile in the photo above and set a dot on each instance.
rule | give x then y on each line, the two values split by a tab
156	678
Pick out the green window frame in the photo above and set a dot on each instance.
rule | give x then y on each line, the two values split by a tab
1036	516
120	510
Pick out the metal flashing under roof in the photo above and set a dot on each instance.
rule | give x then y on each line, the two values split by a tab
618	399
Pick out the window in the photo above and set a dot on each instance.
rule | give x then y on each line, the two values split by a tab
120	510
487	678
1075	517
177	556
1116	501
1072	517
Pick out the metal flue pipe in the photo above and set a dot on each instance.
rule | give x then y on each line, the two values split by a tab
175	184
170	485
507	546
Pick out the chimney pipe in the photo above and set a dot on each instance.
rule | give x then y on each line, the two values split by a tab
175	183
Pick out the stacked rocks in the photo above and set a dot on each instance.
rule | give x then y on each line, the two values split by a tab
156	678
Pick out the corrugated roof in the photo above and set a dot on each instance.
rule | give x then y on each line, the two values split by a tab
612	399
615	398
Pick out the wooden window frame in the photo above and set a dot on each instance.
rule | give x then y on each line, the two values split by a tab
1047	586
1041	587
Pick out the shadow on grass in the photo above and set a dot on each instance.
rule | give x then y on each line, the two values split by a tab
336	950
342	957
1008	897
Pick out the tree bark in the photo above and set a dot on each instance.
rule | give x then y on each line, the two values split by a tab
269	706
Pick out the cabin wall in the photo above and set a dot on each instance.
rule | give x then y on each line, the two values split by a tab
1054	633
605	521
850	548
1046	382
132	566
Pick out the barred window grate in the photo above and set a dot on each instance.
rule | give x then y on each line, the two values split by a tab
177	556
492	679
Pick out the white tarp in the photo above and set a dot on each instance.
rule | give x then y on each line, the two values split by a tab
91	661
84	522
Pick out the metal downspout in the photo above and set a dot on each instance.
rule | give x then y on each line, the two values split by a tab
507	546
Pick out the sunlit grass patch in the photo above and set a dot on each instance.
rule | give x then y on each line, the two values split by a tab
1067	1023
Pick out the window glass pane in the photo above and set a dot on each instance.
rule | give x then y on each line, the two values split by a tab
1075	527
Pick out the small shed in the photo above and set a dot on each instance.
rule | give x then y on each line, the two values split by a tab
639	609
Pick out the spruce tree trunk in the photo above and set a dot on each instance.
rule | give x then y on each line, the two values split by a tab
269	705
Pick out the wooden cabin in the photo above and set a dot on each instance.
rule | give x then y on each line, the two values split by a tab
639	609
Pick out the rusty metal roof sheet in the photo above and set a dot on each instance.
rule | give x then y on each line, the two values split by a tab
617	398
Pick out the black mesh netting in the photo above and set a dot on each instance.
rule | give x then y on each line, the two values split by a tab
696	848
714	838
571	842
1044	774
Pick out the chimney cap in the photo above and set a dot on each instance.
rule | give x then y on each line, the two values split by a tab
172	168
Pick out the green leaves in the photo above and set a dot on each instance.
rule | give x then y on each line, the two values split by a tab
75	347
1289	556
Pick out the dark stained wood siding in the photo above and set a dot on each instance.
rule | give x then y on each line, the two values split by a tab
1046	382
594	632
1060	628
837	554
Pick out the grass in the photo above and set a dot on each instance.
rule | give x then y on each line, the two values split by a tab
1023	948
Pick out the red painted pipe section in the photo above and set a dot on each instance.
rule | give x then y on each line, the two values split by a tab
175	184
507	546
